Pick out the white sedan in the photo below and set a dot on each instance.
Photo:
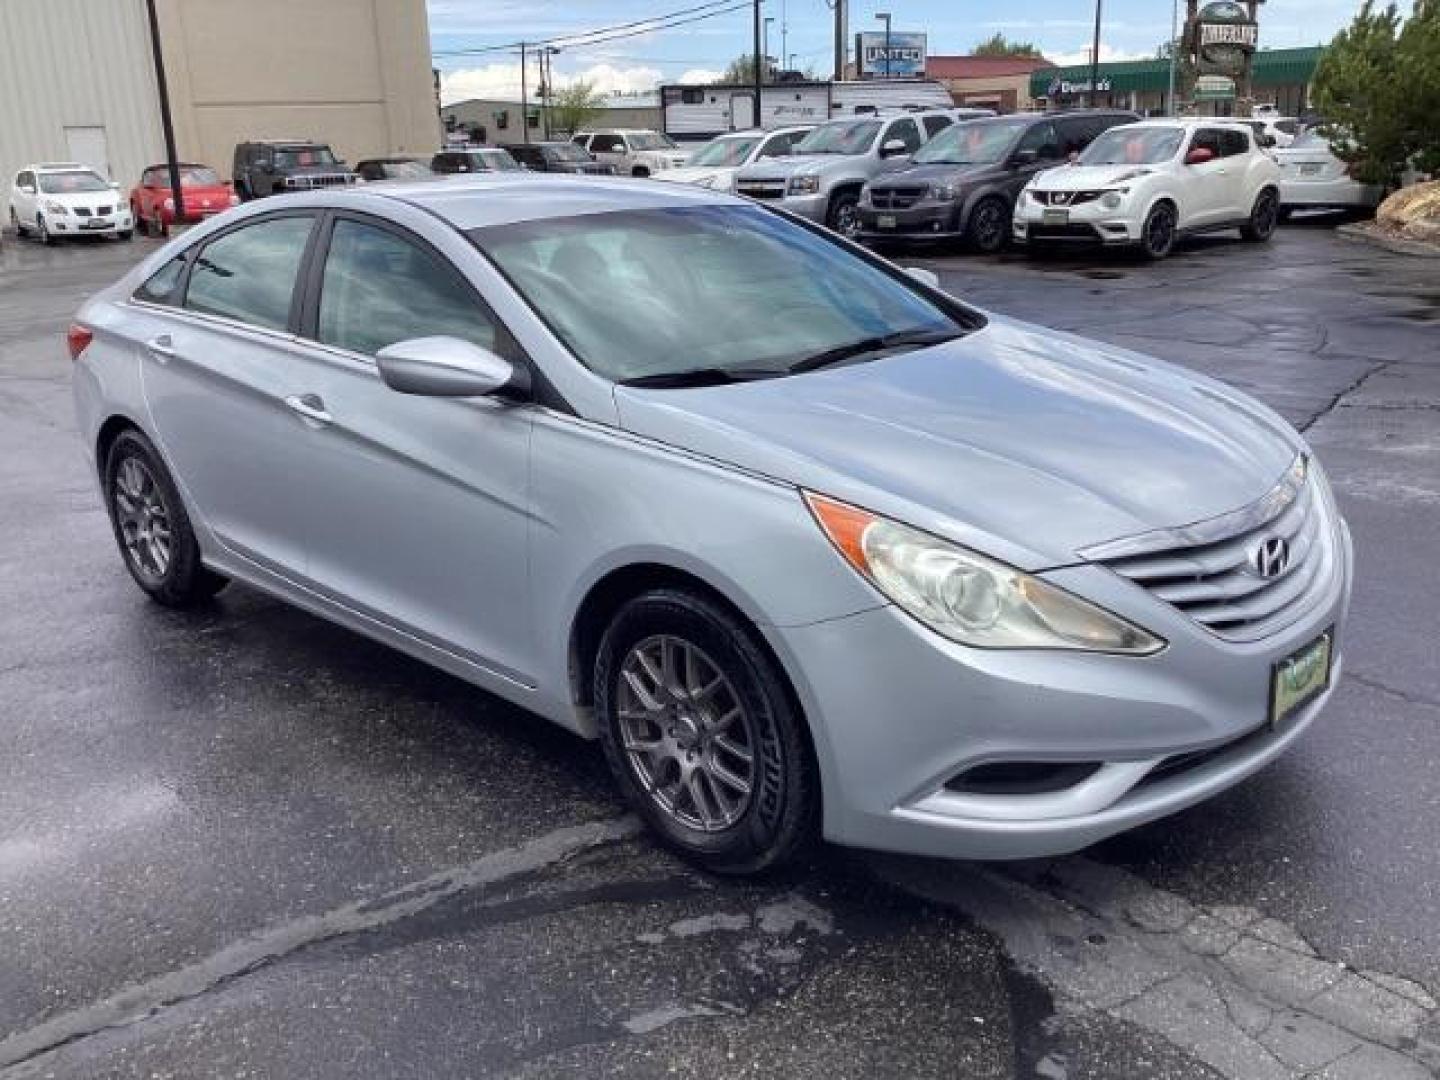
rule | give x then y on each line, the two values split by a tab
67	199
715	164
1149	183
1313	178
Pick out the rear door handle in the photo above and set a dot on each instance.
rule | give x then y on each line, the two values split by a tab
310	406
162	348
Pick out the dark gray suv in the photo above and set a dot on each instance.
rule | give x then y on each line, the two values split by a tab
963	183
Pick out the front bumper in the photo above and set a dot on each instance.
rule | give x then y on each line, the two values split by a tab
923	221
1325	194
96	225
1166	731
1088	223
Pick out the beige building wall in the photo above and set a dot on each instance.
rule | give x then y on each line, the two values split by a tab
353	73
1007	92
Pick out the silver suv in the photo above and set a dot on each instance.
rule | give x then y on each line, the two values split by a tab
822	178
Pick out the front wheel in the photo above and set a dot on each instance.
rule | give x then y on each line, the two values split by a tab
20	231
700	732
127	234
1263	217
152	528
989	226
844	215
640	171
1157	236
43	230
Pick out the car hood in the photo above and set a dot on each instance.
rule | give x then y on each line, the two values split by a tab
688	174
1090	177
792	164
932	173
1024	443
84	198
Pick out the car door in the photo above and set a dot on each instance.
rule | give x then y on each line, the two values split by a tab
419	506
1038	149
609	148
1207	197
221	379
1238	176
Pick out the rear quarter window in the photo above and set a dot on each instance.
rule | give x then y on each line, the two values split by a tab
163	286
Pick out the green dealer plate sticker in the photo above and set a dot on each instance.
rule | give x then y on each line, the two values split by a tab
1299	679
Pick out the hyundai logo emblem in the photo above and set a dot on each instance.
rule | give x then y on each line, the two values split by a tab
1272	556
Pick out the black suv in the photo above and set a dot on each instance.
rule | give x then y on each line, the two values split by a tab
271	167
562	157
963	183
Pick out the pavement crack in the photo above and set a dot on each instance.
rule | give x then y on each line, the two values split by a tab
1335	402
140	1001
1404	695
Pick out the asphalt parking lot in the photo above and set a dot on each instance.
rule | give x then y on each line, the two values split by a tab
242	842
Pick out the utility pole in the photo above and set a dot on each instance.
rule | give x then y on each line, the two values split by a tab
167	124
784	38
839	40
525	98
765	39
884	16
759	69
1174	48
1095	58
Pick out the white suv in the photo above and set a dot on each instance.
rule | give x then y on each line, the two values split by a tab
632	152
1149	183
67	199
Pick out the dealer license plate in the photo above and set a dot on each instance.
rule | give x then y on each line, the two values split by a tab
1056	217
1299	678
97	223
885	221
1310	170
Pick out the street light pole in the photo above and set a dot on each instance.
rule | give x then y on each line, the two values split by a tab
1174	48
759	70
167	124
884	16
765	39
524	99
1095	58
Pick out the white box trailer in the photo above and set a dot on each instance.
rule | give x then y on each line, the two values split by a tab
702	112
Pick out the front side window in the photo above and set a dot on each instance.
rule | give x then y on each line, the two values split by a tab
608	144
935	124
1042	139
249	274
650	140
567	152
781	144
379	288
757	294
840	137
1134	146
1207	139
906	132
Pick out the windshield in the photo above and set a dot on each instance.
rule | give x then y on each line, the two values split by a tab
198	176
972	143
650	294
405	170
724	152
567	152
843	137
649	140
1310	140
72	183
302	158
1134	146
499	160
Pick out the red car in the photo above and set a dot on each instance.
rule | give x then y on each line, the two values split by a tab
203	191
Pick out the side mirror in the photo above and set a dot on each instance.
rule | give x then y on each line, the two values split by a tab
893	148
114	185
1025	157
1199	156
924	276
444	367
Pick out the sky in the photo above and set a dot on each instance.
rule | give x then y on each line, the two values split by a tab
699	51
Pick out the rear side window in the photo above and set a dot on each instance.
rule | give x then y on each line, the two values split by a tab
249	274
163	285
379	288
934	125
1234	142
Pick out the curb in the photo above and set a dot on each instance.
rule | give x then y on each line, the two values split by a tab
1396	244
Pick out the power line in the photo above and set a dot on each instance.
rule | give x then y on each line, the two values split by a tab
578	39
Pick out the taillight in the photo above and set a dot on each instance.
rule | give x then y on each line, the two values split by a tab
78	338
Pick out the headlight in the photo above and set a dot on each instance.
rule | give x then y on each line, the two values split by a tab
943	192
803	185
704	181
968	597
170	204
234	199
55	208
1111	200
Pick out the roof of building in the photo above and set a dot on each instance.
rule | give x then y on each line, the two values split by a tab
982	67
1273	67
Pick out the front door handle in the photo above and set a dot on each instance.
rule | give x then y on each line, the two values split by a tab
310	407
162	348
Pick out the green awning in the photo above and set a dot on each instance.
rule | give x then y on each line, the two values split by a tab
1273	67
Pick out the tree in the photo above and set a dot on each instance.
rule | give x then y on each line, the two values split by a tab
1378	87
574	107
998	45
739	72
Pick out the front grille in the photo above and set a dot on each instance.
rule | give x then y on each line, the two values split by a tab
1219	582
325	180
1041	231
1065	198
761	189
80	211
895	198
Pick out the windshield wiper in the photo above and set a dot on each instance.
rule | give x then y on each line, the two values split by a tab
841	353
703	376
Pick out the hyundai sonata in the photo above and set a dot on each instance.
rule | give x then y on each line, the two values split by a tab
810	546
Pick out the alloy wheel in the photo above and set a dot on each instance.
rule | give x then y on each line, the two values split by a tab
143	518
988	226
686	733
1264	216
1159	232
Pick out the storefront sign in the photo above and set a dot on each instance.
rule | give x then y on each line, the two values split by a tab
901	57
1224	37
1066	88
1214	88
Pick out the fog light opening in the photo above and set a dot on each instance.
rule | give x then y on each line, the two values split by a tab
1022	777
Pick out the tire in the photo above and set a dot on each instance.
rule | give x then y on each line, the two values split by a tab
20	230
843	215
43	231
640	171
988	227
756	829
1263	217
127	234
139	495
1157	236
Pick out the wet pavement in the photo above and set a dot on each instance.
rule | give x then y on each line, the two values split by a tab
242	842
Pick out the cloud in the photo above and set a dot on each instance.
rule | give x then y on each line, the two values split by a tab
501	81
1108	54
700	75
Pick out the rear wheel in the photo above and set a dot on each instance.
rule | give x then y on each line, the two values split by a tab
1157	236
701	735
989	225
1263	217
844	214
151	526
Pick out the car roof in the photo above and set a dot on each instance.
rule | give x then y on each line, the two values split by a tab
483	200
1190	121
59	166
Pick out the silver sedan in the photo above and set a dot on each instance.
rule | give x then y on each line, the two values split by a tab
810	546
